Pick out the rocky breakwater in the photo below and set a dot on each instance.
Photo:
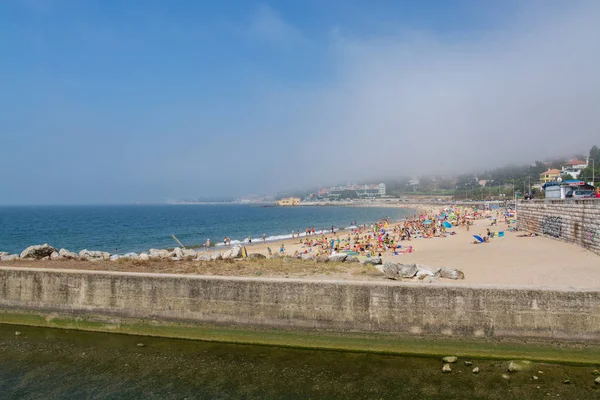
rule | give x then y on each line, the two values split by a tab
418	272
47	252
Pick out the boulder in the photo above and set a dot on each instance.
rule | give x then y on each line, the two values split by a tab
451	273
340	257
446	369
9	257
131	256
450	359
144	257
216	256
468	363
93	255
55	256
189	254
234	252
162	254
64	253
203	257
322	259
597	381
307	256
407	270
390	270
515	366
177	253
38	251
424	271
256	256
476	370
373	261
352	260
115	257
3	253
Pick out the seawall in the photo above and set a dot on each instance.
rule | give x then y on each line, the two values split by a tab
454	312
574	221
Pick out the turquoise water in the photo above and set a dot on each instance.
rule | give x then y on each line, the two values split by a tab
121	229
46	363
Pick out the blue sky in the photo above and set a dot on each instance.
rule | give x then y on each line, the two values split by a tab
124	101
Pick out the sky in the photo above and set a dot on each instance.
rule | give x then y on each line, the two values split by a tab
106	101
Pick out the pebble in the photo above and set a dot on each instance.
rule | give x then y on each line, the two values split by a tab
505	376
446	368
597	381
17	333
595	372
141	345
468	363
535	378
567	381
476	370
450	359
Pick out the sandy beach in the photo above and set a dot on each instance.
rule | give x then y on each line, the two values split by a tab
511	260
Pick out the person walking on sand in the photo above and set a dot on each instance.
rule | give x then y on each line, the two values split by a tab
264	238
332	230
207	244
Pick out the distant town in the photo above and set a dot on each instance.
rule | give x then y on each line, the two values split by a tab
558	178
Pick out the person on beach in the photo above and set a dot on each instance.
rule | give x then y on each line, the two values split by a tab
207	244
264	238
249	240
332	229
282	248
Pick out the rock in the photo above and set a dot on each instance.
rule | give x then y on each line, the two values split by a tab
93	255
3	253
535	378
595	372
424	271
407	270
114	257
216	256
450	359
451	273
256	256
431	279
476	370
38	251
141	345
204	257
468	363
322	259
567	382
446	369
69	255
17	333
274	255
144	257
340	257
373	261
597	381
162	254
514	367
177	253
505	376
352	260
390	270
307	256
234	252
189	254
10	257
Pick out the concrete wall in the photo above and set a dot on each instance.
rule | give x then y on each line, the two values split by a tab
439	310
574	221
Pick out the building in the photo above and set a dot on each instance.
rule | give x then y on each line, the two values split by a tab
550	176
374	190
574	168
289	201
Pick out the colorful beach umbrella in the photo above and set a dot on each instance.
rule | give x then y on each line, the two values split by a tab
479	238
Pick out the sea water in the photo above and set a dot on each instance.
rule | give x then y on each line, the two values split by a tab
129	228
43	363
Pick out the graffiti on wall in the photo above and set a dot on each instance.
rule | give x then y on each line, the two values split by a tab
552	226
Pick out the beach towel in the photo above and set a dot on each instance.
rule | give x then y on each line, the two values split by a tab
500	234
478	238
447	224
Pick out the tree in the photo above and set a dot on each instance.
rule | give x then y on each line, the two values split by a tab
348	194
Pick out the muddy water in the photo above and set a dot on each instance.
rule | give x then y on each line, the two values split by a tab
45	363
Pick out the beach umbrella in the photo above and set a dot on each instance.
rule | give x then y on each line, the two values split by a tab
478	238
427	221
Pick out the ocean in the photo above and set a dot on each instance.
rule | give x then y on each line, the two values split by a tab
137	228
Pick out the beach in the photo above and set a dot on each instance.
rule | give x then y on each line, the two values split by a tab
512	260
